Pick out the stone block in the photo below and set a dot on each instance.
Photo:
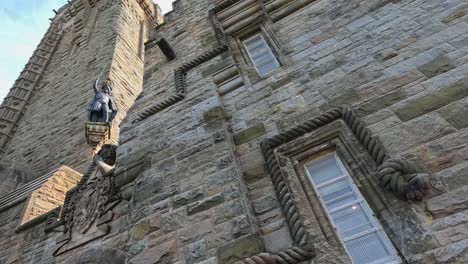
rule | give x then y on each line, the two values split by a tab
227	211
198	230
217	67
386	54
437	66
454	176
196	251
280	83
450	221
164	253
147	190
146	226
456	15
414	132
412	108
278	240
380	103
255	173
239	249
417	61
456	114
265	204
188	197
205	204
240	226
448	203
214	113
249	134
173	220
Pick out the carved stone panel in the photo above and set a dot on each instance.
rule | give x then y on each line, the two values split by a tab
88	207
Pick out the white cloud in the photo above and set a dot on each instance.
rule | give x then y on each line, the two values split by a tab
166	5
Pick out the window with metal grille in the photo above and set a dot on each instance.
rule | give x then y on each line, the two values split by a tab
351	216
260	54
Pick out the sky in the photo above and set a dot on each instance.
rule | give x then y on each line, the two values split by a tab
22	25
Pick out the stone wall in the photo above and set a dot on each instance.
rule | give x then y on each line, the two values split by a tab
95	36
400	64
194	182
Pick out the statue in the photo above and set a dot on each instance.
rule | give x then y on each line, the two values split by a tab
102	108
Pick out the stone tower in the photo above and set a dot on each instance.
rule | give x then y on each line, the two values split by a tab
42	117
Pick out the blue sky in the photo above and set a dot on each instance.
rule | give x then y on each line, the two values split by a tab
22	25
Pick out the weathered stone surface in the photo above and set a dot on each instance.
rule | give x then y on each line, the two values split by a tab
380	102
205	204
414	132
188	197
437	66
196	251
448	203
264	204
164	253
214	113
146	226
249	134
423	104
456	113
173	220
239	249
145	190
279	240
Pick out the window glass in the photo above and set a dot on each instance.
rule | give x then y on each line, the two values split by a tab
260	54
358	229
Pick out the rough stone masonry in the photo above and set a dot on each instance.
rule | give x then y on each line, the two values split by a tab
209	166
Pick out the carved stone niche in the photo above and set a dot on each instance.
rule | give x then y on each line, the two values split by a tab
97	133
88	207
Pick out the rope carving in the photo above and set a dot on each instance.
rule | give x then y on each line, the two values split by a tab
291	256
181	72
396	175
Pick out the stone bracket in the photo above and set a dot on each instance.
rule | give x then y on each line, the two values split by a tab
97	133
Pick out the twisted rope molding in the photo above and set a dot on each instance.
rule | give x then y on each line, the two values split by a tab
181	72
293	255
396	175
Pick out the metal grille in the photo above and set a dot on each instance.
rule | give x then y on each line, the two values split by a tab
363	238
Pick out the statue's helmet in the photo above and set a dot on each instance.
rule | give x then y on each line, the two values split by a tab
106	88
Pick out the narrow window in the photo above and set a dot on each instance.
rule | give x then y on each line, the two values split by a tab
351	216
260	54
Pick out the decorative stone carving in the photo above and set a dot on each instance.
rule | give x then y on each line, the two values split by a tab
88	207
96	133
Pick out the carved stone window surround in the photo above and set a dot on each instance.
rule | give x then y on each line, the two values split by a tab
335	137
411	183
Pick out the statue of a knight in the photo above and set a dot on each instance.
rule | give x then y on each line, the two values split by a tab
102	109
